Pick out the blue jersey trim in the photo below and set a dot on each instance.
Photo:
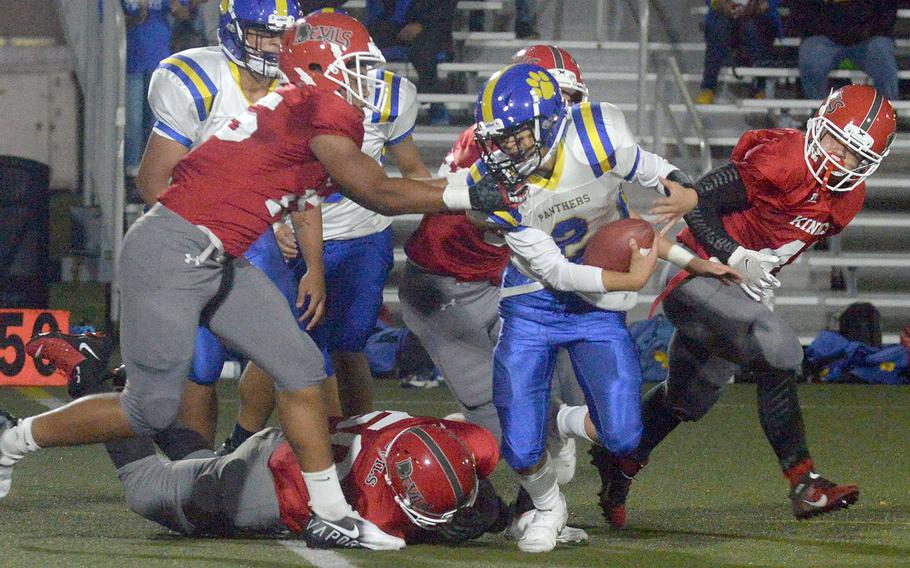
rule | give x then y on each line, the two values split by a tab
169	132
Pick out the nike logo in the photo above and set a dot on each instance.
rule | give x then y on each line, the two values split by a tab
746	265
38	352
820	502
353	532
84	347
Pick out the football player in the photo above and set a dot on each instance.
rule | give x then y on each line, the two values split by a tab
449	290
414	478
194	93
357	254
181	263
574	162
782	192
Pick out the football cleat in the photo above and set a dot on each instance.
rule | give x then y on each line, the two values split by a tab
227	447
7	461
81	358
616	476
542	532
353	531
815	495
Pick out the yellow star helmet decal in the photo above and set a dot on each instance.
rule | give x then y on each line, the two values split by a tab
541	85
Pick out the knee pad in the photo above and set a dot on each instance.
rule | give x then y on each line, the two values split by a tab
775	343
150	414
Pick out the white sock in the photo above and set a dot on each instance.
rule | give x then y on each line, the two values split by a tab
542	486
18	441
571	422
326	498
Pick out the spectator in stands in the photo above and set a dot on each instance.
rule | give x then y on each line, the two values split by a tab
526	19
749	25
834	30
419	31
189	28
148	41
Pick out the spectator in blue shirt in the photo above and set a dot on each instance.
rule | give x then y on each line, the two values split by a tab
148	41
749	25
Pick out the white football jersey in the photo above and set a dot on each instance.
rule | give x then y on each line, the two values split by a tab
341	217
584	192
195	92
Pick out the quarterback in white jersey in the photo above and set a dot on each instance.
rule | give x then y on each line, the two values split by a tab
193	93
574	162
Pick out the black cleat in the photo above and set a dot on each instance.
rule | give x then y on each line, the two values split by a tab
616	476
82	358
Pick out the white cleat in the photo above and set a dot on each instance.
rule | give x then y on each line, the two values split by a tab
519	524
353	531
7	459
545	526
456	417
572	535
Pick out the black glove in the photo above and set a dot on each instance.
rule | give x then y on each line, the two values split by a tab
487	514
488	195
682	178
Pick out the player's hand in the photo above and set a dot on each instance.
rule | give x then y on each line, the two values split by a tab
488	195
679	201
287	241
409	32
753	291
755	267
713	269
311	293
641	266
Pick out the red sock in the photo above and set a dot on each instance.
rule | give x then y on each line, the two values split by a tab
797	471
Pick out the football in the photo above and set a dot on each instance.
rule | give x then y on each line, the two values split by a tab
609	248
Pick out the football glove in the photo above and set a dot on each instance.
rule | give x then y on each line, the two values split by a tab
755	267
487	514
489	195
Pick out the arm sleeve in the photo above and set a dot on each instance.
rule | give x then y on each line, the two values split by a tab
175	110
403	125
548	263
720	190
650	168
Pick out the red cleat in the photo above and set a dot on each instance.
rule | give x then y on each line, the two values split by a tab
81	358
814	495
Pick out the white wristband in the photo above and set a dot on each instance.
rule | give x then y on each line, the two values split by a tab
456	197
679	256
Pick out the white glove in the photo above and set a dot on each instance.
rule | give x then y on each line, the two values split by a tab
755	268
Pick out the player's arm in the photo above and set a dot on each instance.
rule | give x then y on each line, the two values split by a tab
158	162
408	159
556	271
308	227
364	181
719	191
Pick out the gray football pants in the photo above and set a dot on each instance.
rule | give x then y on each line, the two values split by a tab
167	280
458	324
214	496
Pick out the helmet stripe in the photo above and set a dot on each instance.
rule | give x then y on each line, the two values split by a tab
873	112
443	461
281	7
557	57
487	97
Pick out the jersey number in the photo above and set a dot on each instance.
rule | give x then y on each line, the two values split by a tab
242	127
568	235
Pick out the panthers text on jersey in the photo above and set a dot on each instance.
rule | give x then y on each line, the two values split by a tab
258	165
448	243
194	93
790	210
583	193
393	123
358	443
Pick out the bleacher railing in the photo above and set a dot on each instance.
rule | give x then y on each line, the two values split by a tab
96	32
669	72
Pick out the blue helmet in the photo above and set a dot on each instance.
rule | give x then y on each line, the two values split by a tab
268	18
522	98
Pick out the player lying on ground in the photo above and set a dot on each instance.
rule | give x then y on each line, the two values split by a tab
783	192
181	264
574	162
419	479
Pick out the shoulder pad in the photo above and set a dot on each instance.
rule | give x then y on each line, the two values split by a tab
597	130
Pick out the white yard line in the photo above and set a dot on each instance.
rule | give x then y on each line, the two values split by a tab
318	558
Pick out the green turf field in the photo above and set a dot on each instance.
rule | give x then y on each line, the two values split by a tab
712	496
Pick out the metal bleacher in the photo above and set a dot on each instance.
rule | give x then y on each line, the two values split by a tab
870	261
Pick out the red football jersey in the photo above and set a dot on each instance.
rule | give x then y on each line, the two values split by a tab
249	172
448	243
789	210
357	443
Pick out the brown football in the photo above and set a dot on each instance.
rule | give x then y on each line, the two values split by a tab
609	247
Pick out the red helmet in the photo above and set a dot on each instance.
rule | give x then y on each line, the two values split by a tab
560	64
331	50
432	474
861	119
